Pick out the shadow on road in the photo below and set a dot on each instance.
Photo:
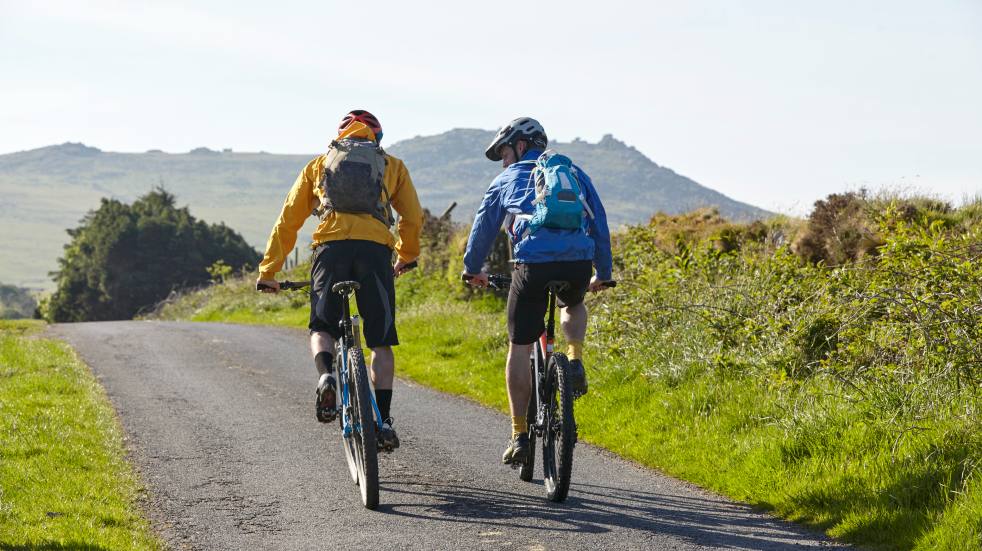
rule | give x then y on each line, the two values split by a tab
595	509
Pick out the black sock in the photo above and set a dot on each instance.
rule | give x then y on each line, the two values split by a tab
384	400
323	361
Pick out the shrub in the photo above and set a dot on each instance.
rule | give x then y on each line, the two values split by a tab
124	258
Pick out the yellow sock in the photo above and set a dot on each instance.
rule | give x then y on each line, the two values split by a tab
575	350
518	425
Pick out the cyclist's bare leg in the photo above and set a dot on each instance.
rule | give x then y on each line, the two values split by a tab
320	341
519	378
383	367
573	322
382	371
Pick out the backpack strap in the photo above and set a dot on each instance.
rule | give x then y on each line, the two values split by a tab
579	182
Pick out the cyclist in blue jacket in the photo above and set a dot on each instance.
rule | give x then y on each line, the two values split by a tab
541	256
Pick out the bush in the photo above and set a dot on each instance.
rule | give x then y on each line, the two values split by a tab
124	258
839	230
885	310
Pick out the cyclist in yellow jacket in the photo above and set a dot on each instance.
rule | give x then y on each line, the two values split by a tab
350	246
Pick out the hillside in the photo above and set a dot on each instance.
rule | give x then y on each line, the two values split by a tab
46	191
452	167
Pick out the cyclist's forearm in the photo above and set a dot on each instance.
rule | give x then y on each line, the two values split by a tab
410	227
475	254
409	230
603	261
479	244
296	209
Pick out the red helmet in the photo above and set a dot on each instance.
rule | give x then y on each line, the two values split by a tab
365	117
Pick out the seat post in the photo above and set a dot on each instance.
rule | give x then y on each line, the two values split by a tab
551	327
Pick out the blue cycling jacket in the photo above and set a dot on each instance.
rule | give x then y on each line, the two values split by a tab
509	197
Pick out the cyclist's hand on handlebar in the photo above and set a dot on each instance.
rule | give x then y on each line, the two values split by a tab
599	284
477	280
403	267
267	285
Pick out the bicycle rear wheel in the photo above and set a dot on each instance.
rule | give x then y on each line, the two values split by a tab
363	429
527	470
559	435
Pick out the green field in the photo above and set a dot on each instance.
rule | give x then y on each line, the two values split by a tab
64	479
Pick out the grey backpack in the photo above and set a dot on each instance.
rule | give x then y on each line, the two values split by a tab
352	181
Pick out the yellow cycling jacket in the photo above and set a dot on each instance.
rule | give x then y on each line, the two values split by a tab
305	195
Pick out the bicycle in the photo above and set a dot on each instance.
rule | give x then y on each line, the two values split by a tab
550	410
359	412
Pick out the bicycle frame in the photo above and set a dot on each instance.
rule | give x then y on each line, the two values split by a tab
348	340
550	400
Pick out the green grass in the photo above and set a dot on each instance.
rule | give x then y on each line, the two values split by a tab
64	480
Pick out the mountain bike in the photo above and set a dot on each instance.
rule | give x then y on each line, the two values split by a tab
360	419
550	410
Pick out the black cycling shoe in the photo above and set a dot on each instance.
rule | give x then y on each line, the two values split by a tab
327	401
577	377
517	450
387	438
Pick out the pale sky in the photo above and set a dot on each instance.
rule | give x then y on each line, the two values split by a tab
774	103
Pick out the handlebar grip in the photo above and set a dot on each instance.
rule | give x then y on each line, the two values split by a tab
262	286
611	283
466	277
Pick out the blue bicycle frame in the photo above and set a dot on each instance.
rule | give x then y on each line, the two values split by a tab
349	327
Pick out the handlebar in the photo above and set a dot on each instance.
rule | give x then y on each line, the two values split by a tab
411	266
495	281
284	285
501	281
292	285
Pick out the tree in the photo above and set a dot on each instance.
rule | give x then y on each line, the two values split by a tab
123	258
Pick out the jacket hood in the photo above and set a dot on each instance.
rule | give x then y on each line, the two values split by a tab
357	129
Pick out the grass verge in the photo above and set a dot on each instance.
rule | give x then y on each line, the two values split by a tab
64	480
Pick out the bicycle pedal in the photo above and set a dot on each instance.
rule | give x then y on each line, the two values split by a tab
327	415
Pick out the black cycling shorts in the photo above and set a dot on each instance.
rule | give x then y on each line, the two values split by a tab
370	264
528	298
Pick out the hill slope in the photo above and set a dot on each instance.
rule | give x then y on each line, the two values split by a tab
46	191
452	167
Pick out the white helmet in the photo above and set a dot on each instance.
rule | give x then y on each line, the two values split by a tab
522	128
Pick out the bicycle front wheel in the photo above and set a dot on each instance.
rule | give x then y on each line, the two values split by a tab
347	440
559	434
363	429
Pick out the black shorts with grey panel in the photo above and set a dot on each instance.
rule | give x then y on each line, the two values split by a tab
370	264
528	298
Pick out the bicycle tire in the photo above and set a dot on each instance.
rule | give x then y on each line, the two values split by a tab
526	472
559	436
366	445
347	442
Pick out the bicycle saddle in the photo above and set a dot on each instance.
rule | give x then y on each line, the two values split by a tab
557	286
345	287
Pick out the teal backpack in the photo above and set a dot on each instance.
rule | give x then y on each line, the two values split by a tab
559	201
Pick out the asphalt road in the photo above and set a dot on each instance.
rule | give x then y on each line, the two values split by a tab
219	422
